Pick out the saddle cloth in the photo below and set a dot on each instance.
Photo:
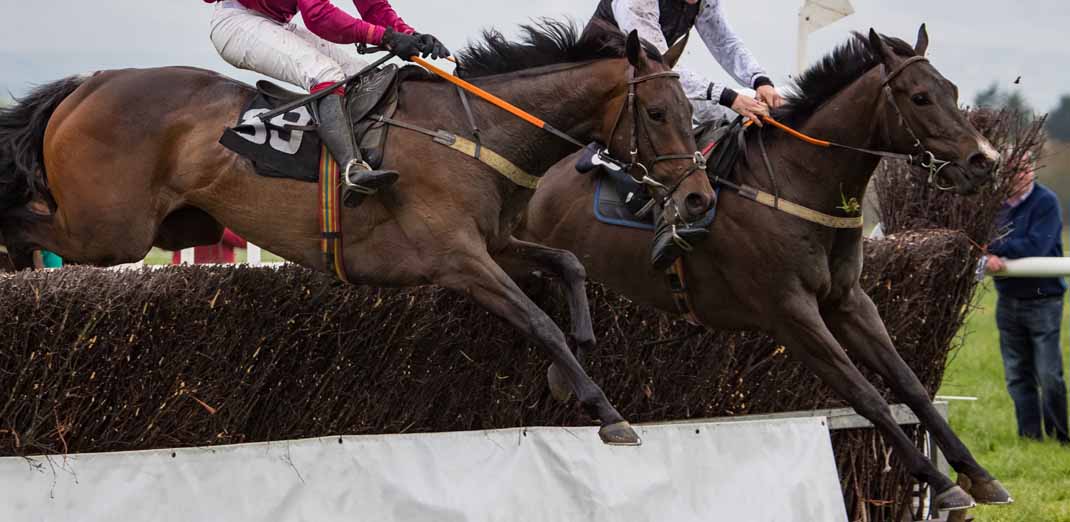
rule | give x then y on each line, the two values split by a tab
618	197
287	146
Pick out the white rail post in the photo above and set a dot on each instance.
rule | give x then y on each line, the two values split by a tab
186	257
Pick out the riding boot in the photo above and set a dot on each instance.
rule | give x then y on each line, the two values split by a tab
673	241
358	179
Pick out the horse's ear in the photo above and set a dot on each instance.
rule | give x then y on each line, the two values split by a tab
877	45
923	41
633	49
675	52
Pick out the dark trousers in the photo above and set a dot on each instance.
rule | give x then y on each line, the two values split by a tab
1033	364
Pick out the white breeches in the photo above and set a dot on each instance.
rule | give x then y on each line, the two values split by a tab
249	40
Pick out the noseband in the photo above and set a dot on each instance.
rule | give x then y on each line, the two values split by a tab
631	105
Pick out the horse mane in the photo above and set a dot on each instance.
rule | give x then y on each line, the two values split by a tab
834	72
546	42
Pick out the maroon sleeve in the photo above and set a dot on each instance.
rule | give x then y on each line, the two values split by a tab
379	12
335	25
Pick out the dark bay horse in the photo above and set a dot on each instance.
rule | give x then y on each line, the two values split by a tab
99	169
799	281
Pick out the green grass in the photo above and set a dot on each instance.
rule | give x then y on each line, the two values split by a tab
1036	473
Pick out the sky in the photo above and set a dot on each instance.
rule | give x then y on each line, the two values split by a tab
972	42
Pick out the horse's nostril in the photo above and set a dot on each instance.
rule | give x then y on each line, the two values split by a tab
696	203
981	162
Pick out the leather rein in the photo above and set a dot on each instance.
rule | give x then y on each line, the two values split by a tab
675	274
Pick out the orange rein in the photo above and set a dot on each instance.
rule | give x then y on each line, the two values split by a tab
504	105
793	132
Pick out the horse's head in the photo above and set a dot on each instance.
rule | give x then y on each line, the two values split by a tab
921	117
647	125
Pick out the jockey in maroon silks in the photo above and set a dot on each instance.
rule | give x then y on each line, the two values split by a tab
258	35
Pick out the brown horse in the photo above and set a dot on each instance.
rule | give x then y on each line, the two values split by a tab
767	270
132	160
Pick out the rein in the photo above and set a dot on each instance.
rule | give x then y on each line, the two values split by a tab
675	274
925	159
630	105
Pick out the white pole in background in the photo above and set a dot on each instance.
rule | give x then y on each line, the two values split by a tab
814	15
186	257
1036	267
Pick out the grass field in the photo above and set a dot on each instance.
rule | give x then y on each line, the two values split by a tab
1037	474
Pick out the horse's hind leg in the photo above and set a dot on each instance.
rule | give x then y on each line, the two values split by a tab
858	326
487	283
803	331
566	266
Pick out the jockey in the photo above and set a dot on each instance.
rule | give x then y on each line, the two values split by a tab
257	35
663	22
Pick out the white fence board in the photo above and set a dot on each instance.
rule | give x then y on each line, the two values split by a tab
774	470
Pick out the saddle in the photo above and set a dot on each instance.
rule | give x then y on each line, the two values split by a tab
621	201
286	146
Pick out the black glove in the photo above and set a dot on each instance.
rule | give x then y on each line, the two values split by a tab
430	46
405	46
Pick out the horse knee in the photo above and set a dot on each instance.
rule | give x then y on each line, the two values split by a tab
571	268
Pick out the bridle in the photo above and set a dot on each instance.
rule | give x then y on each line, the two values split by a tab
926	159
631	106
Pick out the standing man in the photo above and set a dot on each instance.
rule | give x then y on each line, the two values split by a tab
1030	310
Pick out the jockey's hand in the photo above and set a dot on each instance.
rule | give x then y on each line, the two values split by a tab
769	95
405	46
431	46
750	108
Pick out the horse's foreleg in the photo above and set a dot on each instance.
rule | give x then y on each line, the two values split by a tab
859	327
568	268
808	339
487	283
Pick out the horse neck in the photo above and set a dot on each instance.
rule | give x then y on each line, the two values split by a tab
824	177
571	99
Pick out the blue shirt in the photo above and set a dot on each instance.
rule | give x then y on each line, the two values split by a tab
1036	227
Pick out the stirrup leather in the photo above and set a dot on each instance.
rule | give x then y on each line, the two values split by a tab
357	187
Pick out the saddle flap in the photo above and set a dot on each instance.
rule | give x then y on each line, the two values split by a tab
367	94
727	140
278	93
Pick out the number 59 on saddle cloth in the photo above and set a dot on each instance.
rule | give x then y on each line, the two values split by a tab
287	146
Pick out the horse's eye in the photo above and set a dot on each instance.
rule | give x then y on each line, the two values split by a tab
656	114
921	99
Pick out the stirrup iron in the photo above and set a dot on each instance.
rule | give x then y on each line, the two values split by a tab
357	187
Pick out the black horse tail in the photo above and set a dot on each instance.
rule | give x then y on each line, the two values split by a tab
22	139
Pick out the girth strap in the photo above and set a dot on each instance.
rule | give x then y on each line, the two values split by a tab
479	152
331	215
789	207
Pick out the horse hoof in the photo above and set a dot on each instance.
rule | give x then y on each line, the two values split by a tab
560	388
988	491
954	499
619	434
